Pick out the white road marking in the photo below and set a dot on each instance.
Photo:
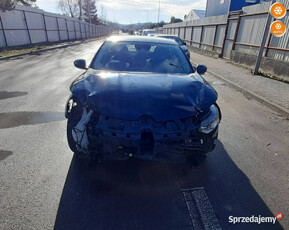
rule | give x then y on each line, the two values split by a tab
200	209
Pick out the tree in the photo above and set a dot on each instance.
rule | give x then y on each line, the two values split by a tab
178	20
80	9
70	7
10	4
102	12
154	25
175	20
89	11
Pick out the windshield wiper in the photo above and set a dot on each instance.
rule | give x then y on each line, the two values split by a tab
172	64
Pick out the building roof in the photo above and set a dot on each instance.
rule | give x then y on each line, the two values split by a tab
195	14
200	13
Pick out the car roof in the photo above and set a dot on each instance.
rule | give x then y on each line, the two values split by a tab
167	35
135	38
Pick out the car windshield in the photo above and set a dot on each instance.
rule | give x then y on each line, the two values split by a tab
136	56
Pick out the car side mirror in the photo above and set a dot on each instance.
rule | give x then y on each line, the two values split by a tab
80	63
201	69
185	43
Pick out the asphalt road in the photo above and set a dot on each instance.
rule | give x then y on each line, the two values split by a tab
42	186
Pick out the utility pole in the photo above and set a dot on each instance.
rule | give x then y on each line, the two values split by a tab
159	11
261	50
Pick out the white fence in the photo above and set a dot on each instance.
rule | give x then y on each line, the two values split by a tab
26	25
241	31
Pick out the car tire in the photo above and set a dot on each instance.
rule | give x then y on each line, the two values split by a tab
74	117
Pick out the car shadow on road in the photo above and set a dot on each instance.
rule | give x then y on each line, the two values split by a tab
138	194
230	191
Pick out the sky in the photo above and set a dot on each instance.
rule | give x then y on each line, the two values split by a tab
135	11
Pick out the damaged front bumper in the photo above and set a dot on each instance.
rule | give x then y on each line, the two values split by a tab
116	139
148	145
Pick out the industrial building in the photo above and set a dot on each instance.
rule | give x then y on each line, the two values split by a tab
221	7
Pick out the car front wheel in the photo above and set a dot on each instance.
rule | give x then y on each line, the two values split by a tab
74	113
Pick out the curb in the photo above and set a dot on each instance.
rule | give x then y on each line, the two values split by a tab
48	49
277	108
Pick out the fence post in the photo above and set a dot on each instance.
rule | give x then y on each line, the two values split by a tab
215	37
45	28
74	30
191	37
80	30
26	23
237	30
201	37
269	42
68	38
2	25
261	50
225	36
185	31
58	28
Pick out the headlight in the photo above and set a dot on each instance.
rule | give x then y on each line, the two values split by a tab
210	122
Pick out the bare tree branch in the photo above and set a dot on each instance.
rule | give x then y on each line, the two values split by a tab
69	7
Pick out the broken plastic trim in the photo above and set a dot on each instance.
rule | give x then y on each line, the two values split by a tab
79	133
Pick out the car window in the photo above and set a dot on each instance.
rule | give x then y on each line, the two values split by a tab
141	57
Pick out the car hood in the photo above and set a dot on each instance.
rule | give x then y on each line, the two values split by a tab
129	96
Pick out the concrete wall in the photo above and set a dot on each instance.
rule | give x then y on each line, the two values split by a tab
27	25
274	68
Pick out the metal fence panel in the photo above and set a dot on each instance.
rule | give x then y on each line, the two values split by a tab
282	42
17	37
34	21
27	25
188	35
38	36
83	31
231	29
13	20
209	35
248	37
182	33
2	39
227	49
51	23
63	35
220	35
252	29
77	27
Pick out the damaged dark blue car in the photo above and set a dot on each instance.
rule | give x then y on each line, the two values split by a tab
141	97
